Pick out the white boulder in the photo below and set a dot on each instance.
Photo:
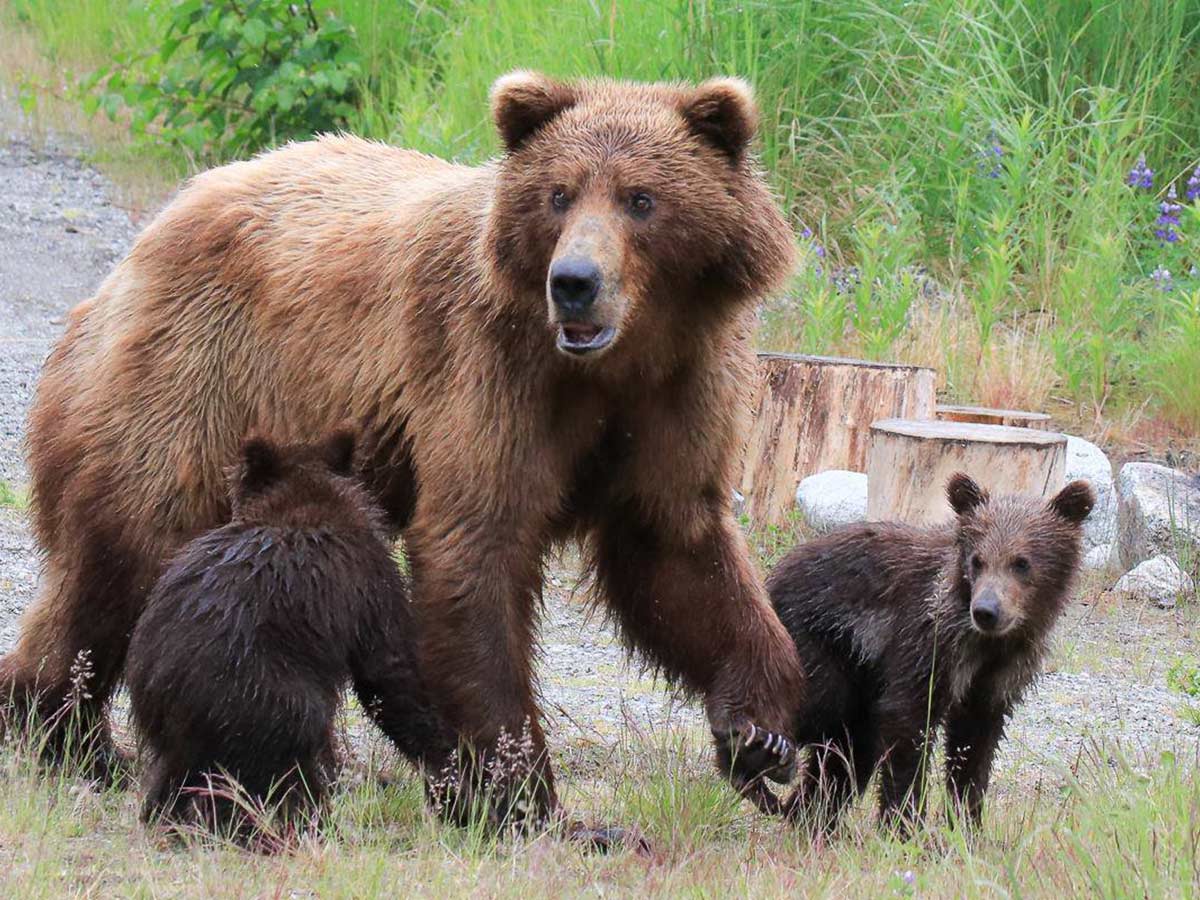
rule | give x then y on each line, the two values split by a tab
1158	512
1099	557
1087	461
832	499
1158	580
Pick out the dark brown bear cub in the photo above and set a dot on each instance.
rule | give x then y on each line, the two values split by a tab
238	664
906	630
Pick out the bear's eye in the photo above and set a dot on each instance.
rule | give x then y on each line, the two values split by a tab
1020	565
559	199
641	204
976	562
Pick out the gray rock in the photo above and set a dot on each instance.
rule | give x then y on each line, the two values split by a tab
1158	512
1158	580
832	499
1087	461
1099	557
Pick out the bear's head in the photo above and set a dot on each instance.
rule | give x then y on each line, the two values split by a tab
636	211
1017	555
305	485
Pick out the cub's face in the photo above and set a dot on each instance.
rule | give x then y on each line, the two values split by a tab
1018	555
631	209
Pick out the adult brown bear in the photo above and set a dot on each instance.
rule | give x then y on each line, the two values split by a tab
551	345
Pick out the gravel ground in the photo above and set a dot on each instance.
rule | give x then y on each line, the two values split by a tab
60	234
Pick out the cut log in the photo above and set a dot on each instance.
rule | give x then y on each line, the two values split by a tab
985	415
910	463
814	413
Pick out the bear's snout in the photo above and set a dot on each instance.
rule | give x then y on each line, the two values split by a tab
985	611
574	285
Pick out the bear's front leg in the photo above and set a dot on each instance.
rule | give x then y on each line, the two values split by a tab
688	597
974	729
904	745
476	598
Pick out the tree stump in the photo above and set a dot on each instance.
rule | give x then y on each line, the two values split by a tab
984	415
814	413
910	463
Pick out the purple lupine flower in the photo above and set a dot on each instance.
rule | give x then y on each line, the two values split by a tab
1162	278
817	249
1168	218
989	157
1141	175
1193	186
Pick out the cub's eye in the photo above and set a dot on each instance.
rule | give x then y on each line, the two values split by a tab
641	204
559	199
1020	565
976	562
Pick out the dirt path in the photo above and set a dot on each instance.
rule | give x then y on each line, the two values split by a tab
60	234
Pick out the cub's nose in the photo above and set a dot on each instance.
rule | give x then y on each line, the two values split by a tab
985	612
574	286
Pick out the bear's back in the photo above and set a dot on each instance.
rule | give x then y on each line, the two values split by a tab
859	589
258	614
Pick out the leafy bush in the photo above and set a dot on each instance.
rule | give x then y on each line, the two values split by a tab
233	77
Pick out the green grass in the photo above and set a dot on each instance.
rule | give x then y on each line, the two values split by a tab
879	116
879	119
1103	828
10	497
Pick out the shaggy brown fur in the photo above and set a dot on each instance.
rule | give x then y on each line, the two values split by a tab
505	405
904	630
237	666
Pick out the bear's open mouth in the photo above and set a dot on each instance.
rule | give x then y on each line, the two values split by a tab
582	337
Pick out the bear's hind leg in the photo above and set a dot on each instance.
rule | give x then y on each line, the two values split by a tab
834	773
56	683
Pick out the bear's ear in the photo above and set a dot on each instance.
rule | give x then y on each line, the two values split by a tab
1074	502
260	464
338	451
523	102
722	111
964	494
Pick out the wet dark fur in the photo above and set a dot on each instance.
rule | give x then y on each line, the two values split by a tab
238	664
881	616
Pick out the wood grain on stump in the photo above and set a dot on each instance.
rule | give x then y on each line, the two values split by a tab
986	415
911	461
814	413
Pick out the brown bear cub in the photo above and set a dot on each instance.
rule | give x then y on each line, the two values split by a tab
237	666
905	630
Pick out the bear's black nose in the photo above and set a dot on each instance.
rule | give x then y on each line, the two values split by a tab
574	285
985	611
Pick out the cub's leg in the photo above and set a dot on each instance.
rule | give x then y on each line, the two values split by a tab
903	751
834	773
973	731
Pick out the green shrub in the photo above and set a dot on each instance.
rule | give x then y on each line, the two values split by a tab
232	77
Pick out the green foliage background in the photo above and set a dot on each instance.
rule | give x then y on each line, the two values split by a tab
983	142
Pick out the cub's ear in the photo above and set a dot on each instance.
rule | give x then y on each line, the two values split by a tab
1074	502
964	494
523	102
722	111
338	451
260	464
